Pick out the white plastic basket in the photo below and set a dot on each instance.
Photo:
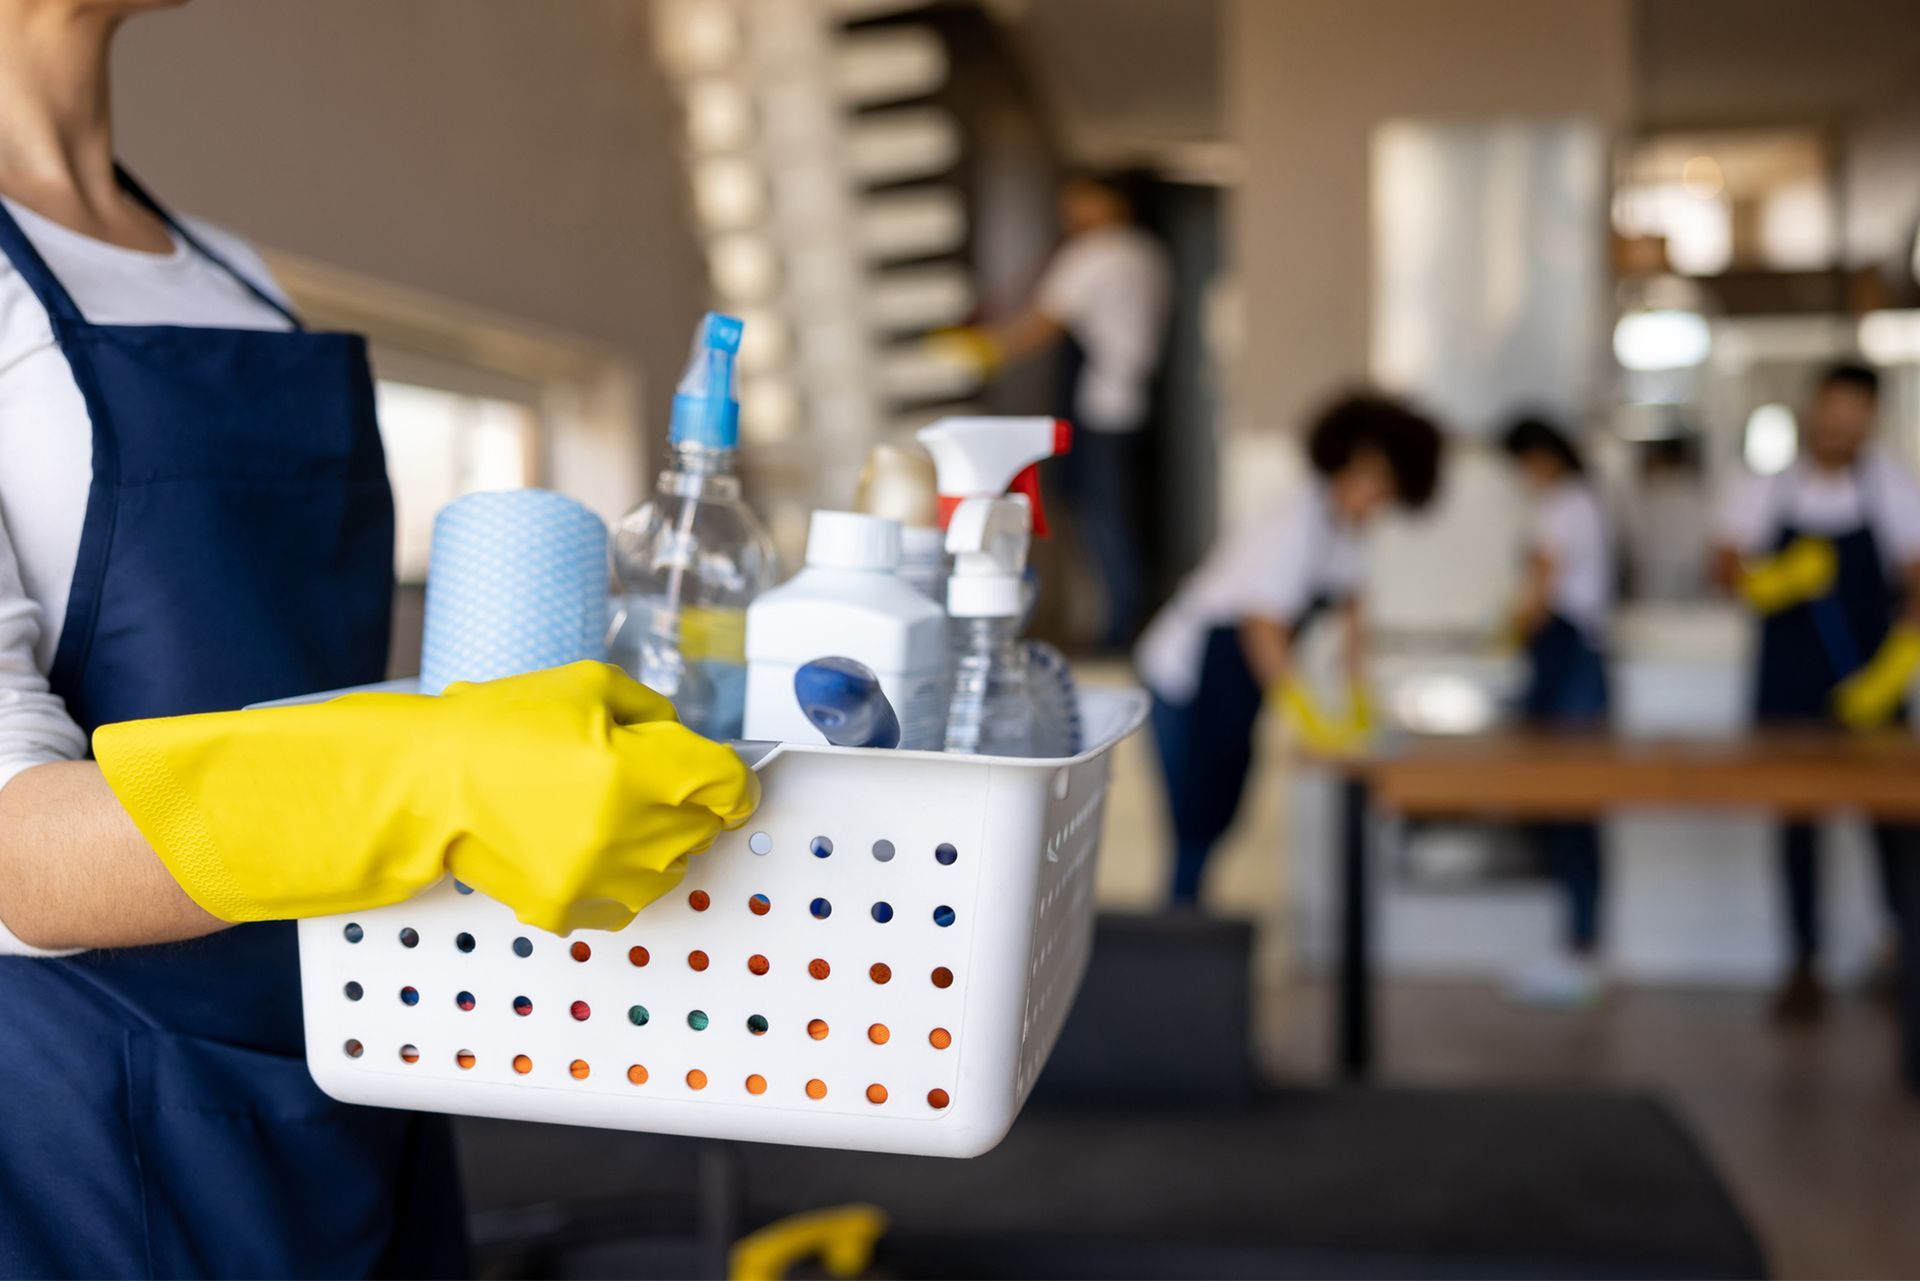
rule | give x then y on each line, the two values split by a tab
881	960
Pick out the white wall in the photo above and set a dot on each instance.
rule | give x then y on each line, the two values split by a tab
513	157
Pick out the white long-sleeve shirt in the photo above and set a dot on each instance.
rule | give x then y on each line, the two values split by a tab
46	446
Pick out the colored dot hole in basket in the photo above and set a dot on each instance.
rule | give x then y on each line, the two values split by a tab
883	851
463	887
937	1099
817	1029
522	1006
464	1000
756	1084
697	961
880	972
760	843
354	991
637	1074
637	1015
353	1049
876	1093
816	1089
945	855
883	912
939	1038
409	937
522	1064
580	951
466	1059
818	968
409	1054
579	1070
696	1079
942	977
822	846
581	1011
353	933
759	905
758	964
638	956
943	916
879	1034
697	1020
523	947
821	909
409	996
699	900
757	1024
464	942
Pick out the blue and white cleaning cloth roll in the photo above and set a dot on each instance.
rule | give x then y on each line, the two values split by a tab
517	582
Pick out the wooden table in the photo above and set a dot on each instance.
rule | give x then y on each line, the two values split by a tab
1538	775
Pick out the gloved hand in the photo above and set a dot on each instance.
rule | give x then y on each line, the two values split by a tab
1320	732
1868	698
971	347
1803	571
572	795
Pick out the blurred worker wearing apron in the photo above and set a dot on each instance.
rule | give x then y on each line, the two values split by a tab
1561	618
237	547
1825	552
1225	646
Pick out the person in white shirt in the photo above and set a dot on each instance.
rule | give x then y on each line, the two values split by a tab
1223	646
1103	304
1561	616
1827	553
1669	526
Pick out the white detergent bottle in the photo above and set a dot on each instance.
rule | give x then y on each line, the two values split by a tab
848	602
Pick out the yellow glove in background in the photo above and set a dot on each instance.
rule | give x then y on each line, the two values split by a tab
1868	698
970	346
572	795
1321	733
1803	571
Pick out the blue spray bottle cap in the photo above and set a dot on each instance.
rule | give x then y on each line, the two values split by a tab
705	412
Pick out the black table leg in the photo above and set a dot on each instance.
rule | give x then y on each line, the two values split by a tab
1354	1006
721	1187
1906	886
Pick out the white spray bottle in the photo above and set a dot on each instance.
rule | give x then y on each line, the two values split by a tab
989	532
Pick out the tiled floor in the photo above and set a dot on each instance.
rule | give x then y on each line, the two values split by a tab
1812	1131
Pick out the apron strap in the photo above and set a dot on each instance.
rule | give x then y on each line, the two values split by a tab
139	193
33	269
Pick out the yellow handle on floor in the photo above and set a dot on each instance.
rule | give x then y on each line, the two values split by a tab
842	1238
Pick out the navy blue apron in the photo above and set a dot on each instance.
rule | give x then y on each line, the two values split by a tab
1567	689
156	1114
1809	648
1805	651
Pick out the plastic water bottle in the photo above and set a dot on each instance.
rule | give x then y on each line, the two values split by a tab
990	712
1056	708
689	561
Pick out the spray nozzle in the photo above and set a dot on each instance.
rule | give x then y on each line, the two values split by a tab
989	457
705	411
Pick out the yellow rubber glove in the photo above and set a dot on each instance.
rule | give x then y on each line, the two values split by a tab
1868	698
1803	571
971	347
1321	733
572	795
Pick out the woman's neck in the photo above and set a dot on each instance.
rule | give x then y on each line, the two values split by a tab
56	123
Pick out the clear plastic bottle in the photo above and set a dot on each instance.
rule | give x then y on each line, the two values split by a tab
990	712
689	561
1056	705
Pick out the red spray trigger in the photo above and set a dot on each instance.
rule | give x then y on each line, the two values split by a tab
1028	483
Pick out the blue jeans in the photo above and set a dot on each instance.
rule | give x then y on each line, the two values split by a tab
1104	471
1206	751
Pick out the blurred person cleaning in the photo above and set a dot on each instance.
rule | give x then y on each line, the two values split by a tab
1561	619
1224	647
1102	303
1670	524
197	517
1827	554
